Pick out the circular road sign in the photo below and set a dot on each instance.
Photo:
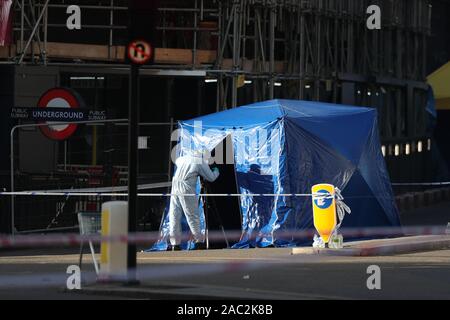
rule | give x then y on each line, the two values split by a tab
59	98
139	51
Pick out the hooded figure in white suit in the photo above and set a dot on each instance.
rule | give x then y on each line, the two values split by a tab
188	169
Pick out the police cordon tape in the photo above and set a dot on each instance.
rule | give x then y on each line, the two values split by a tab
421	184
120	191
121	194
115	189
50	240
158	195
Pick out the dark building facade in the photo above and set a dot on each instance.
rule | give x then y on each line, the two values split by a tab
210	56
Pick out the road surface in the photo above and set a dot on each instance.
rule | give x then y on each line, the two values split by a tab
256	273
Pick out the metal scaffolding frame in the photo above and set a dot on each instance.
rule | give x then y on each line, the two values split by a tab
32	24
301	49
322	50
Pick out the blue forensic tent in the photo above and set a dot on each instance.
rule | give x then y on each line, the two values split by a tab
285	147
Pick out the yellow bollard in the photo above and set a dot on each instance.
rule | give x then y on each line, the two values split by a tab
324	210
114	255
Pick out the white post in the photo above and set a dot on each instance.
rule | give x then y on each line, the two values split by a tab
114	255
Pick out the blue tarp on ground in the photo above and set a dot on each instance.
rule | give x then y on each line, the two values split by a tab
285	147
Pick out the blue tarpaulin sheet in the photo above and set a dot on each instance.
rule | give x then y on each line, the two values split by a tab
285	147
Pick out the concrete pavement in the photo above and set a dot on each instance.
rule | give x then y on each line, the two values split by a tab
241	274
244	274
380	247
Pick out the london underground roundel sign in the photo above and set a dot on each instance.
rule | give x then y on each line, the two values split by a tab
60	98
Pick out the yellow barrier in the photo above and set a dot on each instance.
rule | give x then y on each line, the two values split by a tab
324	210
113	257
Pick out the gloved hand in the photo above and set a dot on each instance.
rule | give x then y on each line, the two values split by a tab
215	169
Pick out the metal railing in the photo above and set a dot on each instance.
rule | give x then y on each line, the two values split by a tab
67	175
33	24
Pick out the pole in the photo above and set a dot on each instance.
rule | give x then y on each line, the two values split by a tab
272	51
132	167
13	229
33	32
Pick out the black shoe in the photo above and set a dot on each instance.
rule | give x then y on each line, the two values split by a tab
175	248
200	246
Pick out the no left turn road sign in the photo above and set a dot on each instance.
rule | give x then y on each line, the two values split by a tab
139	52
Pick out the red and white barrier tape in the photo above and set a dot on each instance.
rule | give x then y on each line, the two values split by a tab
100	194
8	241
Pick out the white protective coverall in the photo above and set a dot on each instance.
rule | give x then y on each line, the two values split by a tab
189	168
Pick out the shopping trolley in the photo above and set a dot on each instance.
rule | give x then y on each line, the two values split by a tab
90	224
